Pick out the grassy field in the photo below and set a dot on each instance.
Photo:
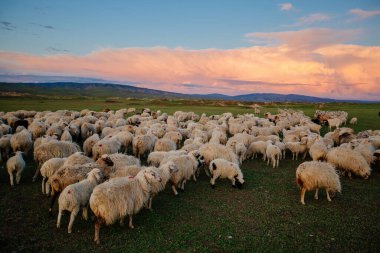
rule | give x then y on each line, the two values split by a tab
266	216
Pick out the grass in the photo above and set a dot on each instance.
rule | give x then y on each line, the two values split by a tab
266	216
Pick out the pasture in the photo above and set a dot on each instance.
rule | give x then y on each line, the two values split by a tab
265	216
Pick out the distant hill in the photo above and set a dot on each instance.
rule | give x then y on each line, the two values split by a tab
73	89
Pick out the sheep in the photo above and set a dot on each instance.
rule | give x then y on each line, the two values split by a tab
282	147
118	160
175	136
155	158
37	129
77	158
366	149
273	153
86	130
105	146
257	147
125	138
164	144
48	168
76	196
212	151
66	136
119	197
354	121
22	141
5	146
314	175
335	122
298	148
52	149
349	161
318	150
143	144
226	169
89	143
15	164
124	171
239	149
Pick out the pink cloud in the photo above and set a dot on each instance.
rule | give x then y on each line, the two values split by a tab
362	14
321	69
312	19
286	7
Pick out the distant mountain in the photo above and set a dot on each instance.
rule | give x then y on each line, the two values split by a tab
74	89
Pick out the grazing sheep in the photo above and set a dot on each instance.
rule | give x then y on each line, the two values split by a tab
239	149
354	121
366	149
51	149
89	143
226	169
349	161
119	197
143	144
48	168
315	175
155	158
318	150
15	164
22	141
165	144
298	148
105	146
273	153
257	147
213	151
76	196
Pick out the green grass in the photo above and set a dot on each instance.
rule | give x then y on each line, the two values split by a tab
266	216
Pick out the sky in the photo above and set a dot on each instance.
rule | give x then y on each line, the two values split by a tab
318	48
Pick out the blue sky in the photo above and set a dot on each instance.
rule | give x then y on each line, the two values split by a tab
48	27
321	48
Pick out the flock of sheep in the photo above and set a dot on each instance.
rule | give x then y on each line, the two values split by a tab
96	159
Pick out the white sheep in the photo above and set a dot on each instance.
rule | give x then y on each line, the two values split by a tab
5	146
298	147
105	146
273	153
239	149
354	121
15	164
89	143
226	169
48	168
318	150
22	141
335	122
315	175
282	147
66	136
118	197
349	161
257	147
143	144
213	151
165	144
76	196
156	157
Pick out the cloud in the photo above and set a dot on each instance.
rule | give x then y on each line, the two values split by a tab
305	39
362	14
49	27
326	69
56	50
286	6
311	19
5	25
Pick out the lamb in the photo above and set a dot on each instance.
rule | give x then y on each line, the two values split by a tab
49	168
105	146
155	158
76	196
318	150
119	197
15	164
226	169
349	161
165	144
89	143
273	153
354	121
298	148
50	149
22	141
143	144
315	175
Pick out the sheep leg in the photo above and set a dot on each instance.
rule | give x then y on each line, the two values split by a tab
72	218
59	218
122	222
183	185
194	178
264	157
130	222
212	182
316	194
85	212
36	174
47	188
296	156
18	176
328	195
304	155
43	185
268	162
150	203
349	175
233	182
174	190
278	162
303	191
54	196
11	178
98	224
